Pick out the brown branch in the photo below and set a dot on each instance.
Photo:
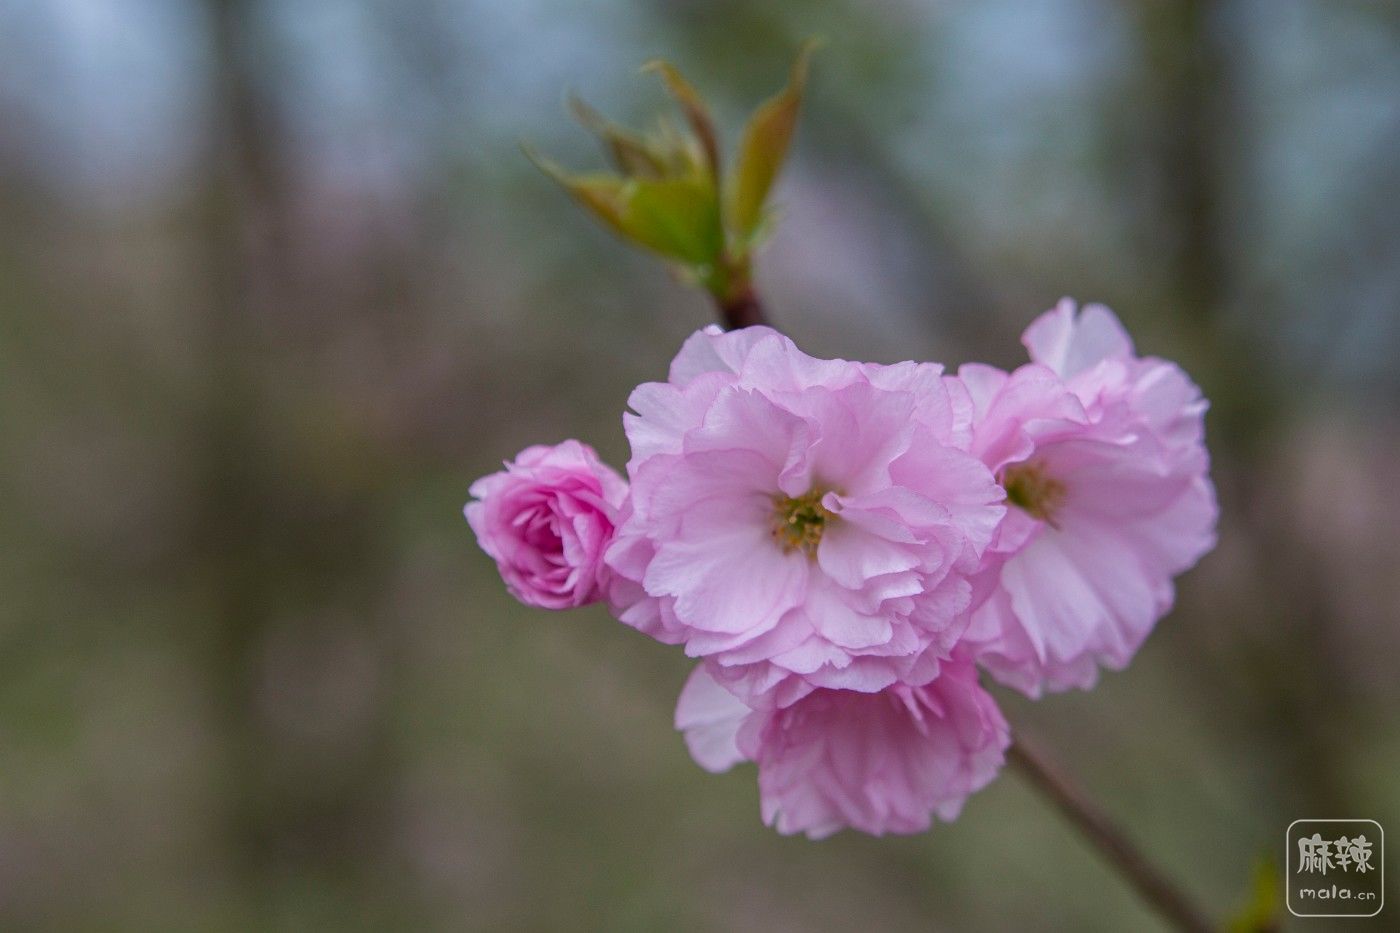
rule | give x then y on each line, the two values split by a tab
741	310
1117	850
745	310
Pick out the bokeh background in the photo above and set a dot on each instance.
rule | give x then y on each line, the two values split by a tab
276	284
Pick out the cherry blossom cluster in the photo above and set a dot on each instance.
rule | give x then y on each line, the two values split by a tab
842	546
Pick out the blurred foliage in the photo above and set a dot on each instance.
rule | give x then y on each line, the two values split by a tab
276	285
1263	908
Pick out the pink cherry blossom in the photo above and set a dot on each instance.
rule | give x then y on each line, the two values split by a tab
877	762
801	522
1102	455
546	520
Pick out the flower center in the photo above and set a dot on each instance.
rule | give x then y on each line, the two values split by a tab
798	521
1034	491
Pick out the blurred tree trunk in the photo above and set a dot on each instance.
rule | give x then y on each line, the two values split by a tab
292	571
1300	679
228	535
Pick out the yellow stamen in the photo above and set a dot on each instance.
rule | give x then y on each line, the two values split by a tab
1030	488
798	521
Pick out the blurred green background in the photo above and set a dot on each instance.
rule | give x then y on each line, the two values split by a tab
276	284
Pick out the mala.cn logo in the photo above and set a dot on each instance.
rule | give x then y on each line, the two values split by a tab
1336	868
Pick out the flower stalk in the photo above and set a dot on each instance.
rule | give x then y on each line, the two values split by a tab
740	310
1087	818
1121	854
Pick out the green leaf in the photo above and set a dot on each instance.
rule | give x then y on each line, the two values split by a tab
600	192
628	151
676	217
697	114
764	147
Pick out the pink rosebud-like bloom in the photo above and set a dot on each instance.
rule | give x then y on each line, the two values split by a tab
877	762
546	519
798	522
1103	460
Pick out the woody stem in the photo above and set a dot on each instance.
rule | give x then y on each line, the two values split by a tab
736	301
1115	847
744	310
